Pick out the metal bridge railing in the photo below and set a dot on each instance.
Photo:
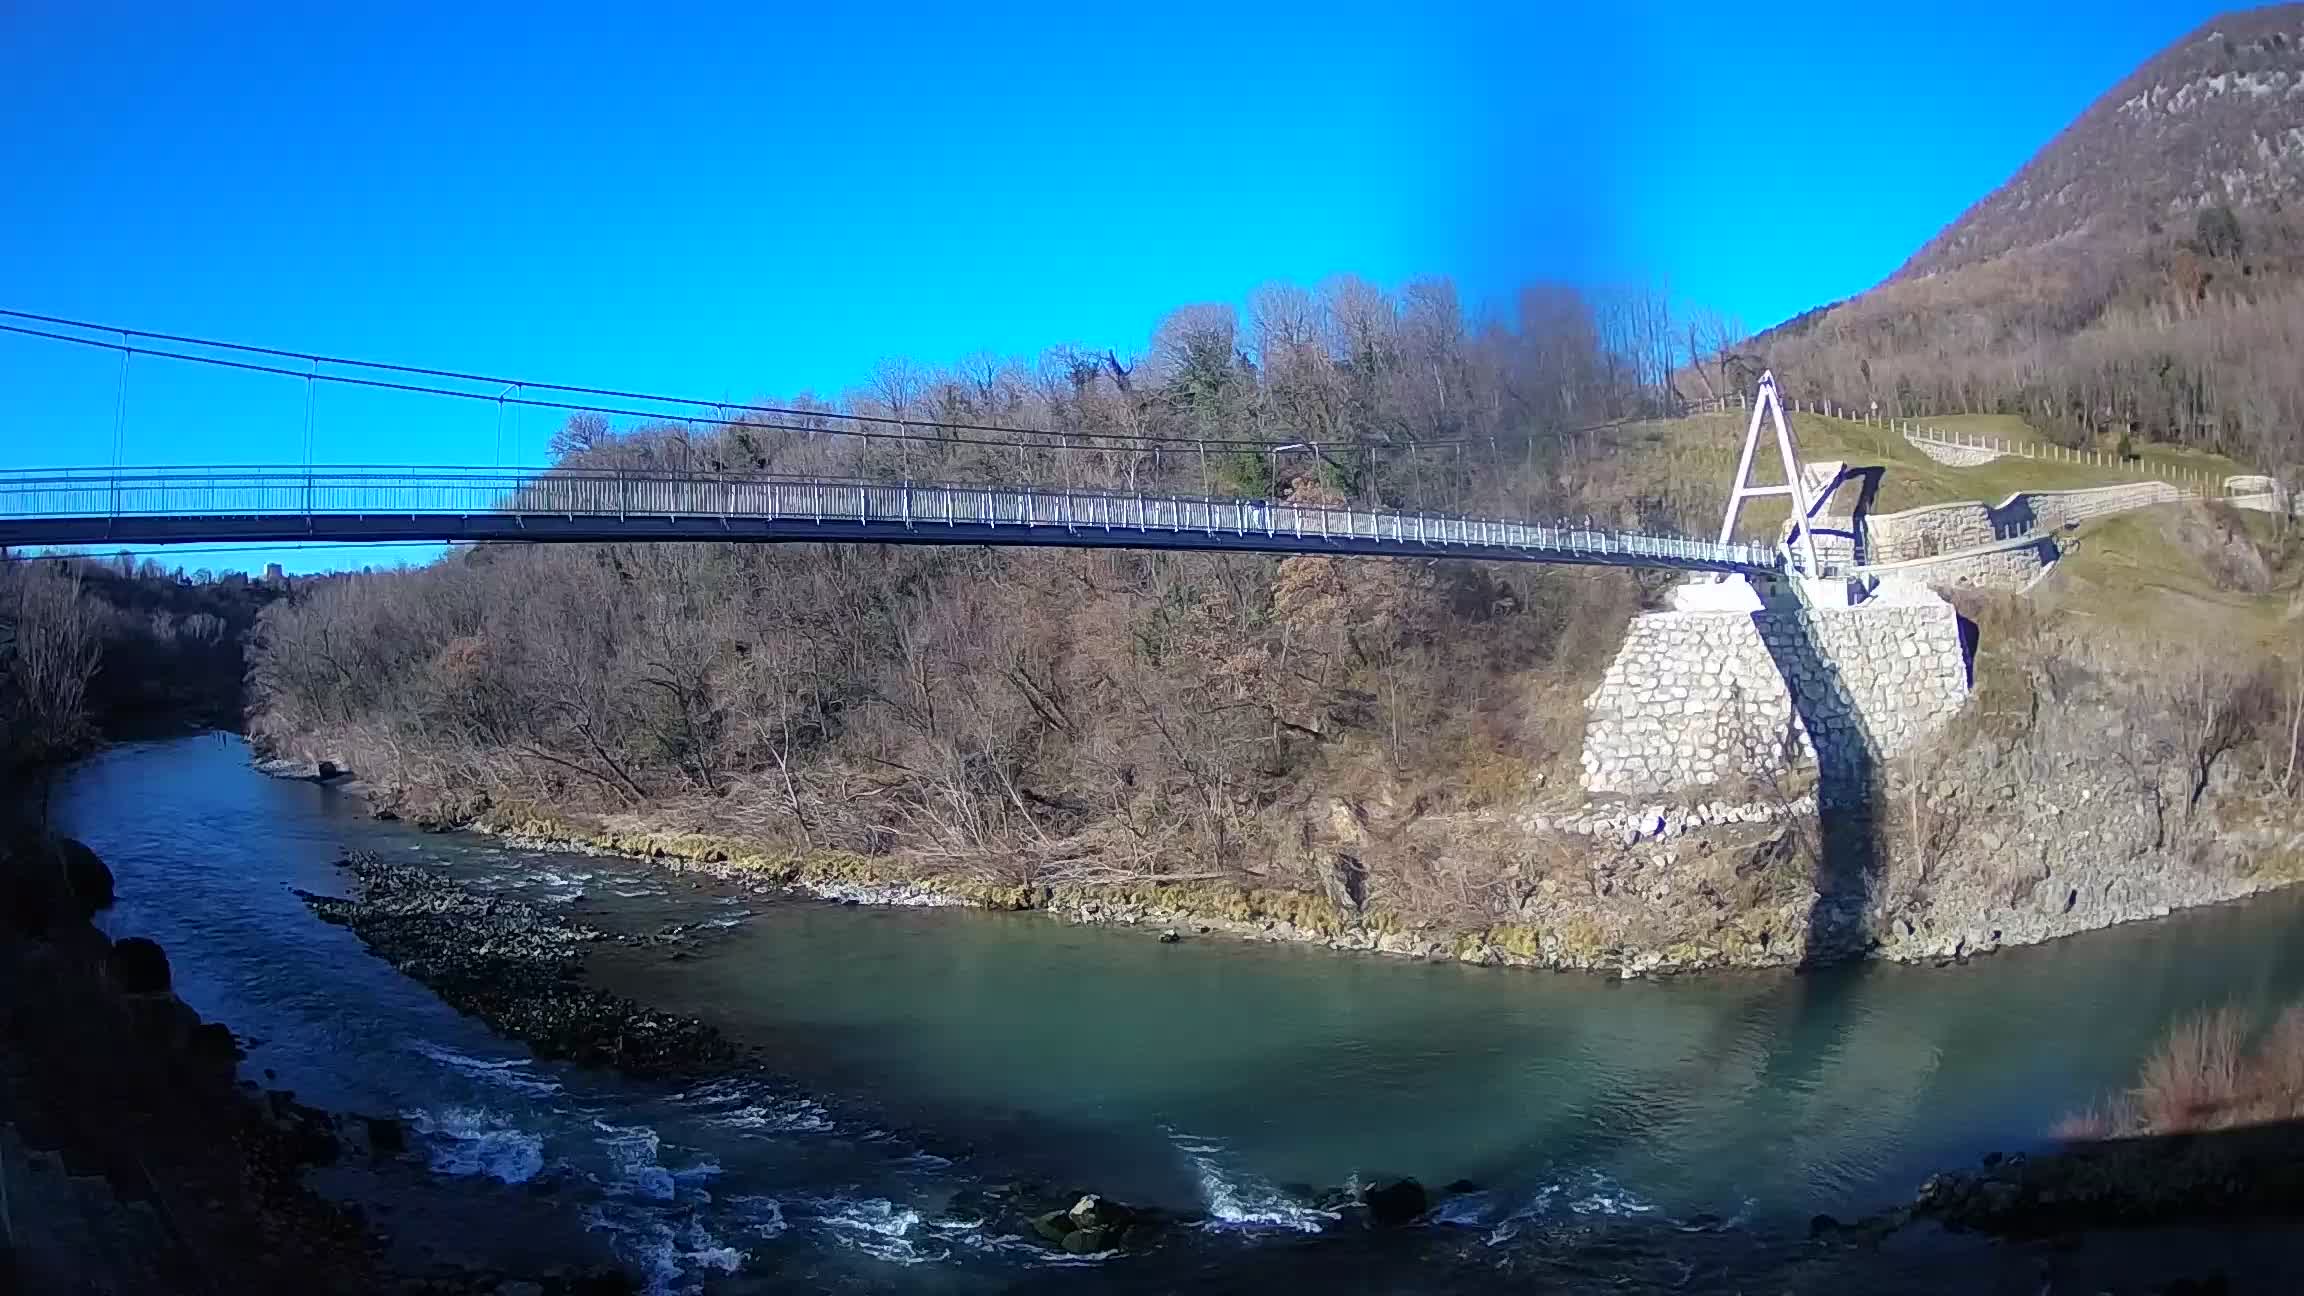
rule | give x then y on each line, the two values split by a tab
238	492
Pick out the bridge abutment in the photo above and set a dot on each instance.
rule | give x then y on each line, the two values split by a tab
1723	696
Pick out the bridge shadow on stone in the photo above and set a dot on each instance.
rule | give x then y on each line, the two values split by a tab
1848	759
1843	506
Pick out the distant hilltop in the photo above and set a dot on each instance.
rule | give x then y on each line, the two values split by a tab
2215	120
2138	279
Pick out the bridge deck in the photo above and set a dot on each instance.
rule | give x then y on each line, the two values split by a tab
175	505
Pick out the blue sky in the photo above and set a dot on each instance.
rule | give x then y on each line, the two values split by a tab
740	200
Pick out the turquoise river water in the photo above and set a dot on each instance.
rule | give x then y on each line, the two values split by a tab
1663	1129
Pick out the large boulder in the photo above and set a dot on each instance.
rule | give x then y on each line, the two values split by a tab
1092	1211
211	1043
140	966
1088	1241
163	1022
1401	1201
85	874
1053	1226
46	882
1094	1224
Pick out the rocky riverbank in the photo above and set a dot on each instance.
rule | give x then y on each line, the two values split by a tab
2200	1215
516	968
2250	1172
133	1159
1695	894
2066	795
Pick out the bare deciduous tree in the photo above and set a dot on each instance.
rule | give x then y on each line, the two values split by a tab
51	649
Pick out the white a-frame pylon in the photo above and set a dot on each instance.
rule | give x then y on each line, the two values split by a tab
1768	404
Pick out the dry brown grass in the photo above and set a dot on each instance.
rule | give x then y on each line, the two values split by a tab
2207	1074
2195	1076
2095	1122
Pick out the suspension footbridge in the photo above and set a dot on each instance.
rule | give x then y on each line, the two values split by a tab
145	506
581	500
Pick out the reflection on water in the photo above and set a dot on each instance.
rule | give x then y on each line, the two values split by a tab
927	1053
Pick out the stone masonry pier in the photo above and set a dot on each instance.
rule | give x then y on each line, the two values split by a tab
1701	698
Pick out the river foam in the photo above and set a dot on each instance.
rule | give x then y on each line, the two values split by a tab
510	1073
1584	1194
1241	1201
751	1107
881	1229
669	1253
468	1141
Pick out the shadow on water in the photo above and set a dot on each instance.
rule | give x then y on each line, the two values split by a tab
1848	773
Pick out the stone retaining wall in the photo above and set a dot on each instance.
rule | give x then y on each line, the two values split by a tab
2256	492
1953	454
1948	528
2000	567
1700	698
1927	531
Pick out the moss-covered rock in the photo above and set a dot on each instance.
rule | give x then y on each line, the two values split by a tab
1519	940
1087	1241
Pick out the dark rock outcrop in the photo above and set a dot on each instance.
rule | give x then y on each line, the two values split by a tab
212	1043
110	1077
140	966
114	1095
29	902
50	882
516	968
1397	1202
2146	1181
1093	1225
86	876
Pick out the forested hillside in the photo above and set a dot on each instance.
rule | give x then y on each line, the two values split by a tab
1096	713
90	650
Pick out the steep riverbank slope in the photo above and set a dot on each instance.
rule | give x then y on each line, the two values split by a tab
133	1160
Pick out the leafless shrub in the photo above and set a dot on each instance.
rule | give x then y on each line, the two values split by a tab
2207	1074
49	649
2111	1118
2214	708
2195	1073
2278	1062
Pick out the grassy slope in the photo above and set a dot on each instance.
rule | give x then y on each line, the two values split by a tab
2007	427
1685	465
2159	458
2146	572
